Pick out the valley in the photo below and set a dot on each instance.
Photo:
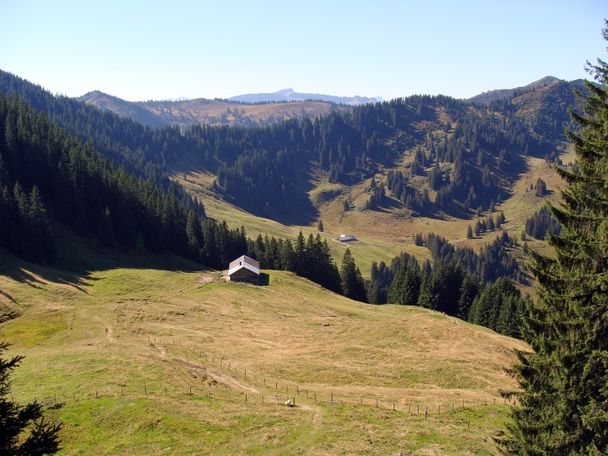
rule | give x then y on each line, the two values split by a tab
308	229
383	235
133	342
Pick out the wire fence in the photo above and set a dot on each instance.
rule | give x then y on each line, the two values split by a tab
245	387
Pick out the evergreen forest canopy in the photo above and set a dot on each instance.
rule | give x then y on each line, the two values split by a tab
47	175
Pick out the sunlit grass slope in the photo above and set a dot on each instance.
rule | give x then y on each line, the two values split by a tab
120	349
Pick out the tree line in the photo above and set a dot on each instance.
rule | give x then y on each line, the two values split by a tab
460	283
310	258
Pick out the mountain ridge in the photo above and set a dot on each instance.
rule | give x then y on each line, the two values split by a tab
203	111
291	95
490	96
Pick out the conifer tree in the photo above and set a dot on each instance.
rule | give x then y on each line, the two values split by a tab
352	282
562	407
23	430
466	295
405	287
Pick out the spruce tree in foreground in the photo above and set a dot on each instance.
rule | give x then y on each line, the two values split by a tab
562	407
23	430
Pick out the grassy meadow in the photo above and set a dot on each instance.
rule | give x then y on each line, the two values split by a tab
135	360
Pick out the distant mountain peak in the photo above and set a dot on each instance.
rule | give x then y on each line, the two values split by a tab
292	95
94	93
544	81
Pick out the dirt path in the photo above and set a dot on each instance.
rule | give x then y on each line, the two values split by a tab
219	376
229	380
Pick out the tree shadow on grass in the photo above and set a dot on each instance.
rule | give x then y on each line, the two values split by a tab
76	271
264	280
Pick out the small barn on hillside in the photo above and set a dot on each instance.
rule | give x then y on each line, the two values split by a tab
244	269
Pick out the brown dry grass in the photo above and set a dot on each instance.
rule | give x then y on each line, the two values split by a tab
162	328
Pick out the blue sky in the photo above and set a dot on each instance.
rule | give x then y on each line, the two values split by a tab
162	50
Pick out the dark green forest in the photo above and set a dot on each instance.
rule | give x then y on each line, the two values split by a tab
45	175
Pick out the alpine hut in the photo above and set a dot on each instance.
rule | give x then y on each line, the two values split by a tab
244	269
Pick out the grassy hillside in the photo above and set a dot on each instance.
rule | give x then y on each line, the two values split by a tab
385	233
117	352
